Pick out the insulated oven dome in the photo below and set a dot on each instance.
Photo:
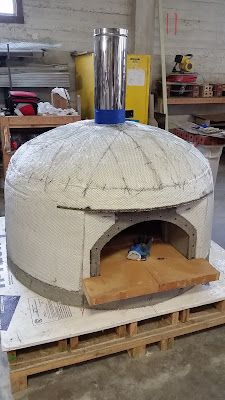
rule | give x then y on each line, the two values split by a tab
101	167
66	188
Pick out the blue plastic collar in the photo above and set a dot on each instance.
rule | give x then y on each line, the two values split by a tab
109	117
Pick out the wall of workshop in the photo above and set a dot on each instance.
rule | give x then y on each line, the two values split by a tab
69	23
200	31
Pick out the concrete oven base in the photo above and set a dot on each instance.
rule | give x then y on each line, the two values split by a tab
44	289
78	299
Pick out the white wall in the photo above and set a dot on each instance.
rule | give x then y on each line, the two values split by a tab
69	22
200	31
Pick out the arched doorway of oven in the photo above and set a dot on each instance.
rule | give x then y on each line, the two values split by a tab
173	230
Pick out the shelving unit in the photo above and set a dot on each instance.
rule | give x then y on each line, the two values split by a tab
28	122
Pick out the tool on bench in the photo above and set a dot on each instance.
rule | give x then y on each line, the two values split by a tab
184	62
182	70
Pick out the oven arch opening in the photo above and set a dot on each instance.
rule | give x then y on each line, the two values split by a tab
166	226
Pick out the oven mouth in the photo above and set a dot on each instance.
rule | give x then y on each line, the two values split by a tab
165	224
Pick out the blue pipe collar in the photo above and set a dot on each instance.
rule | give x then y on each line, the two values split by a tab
109	117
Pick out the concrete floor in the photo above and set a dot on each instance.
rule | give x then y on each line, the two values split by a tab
193	369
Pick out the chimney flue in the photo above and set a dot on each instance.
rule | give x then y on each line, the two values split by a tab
110	74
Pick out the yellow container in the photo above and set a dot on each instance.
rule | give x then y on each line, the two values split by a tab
84	74
137	90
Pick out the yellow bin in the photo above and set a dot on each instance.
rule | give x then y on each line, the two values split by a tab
137	90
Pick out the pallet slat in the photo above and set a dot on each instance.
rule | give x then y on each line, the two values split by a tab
132	329
62	345
121	331
184	315
137	352
221	306
74	342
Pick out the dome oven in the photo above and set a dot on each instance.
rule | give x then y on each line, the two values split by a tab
77	196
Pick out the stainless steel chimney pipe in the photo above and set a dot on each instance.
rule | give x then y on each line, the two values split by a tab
110	49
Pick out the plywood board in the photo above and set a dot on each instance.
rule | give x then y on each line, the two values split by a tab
127	283
164	270
173	273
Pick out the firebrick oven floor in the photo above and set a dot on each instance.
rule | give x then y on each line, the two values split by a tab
193	369
165	269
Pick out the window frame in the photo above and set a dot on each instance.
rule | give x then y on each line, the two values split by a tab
17	18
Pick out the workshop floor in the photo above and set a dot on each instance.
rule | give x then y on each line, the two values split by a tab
193	369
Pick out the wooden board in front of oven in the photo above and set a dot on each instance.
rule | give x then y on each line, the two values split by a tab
164	270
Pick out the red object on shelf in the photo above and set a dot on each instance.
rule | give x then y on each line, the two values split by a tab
197	138
25	109
22	103
182	78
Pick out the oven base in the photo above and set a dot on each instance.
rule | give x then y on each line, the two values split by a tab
76	299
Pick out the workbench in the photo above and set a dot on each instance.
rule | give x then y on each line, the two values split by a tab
24	123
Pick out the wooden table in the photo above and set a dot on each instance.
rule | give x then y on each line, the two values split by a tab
28	122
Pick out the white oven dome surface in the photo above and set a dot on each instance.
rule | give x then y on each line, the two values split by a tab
110	167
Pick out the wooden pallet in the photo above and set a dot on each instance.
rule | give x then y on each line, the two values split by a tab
133	338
